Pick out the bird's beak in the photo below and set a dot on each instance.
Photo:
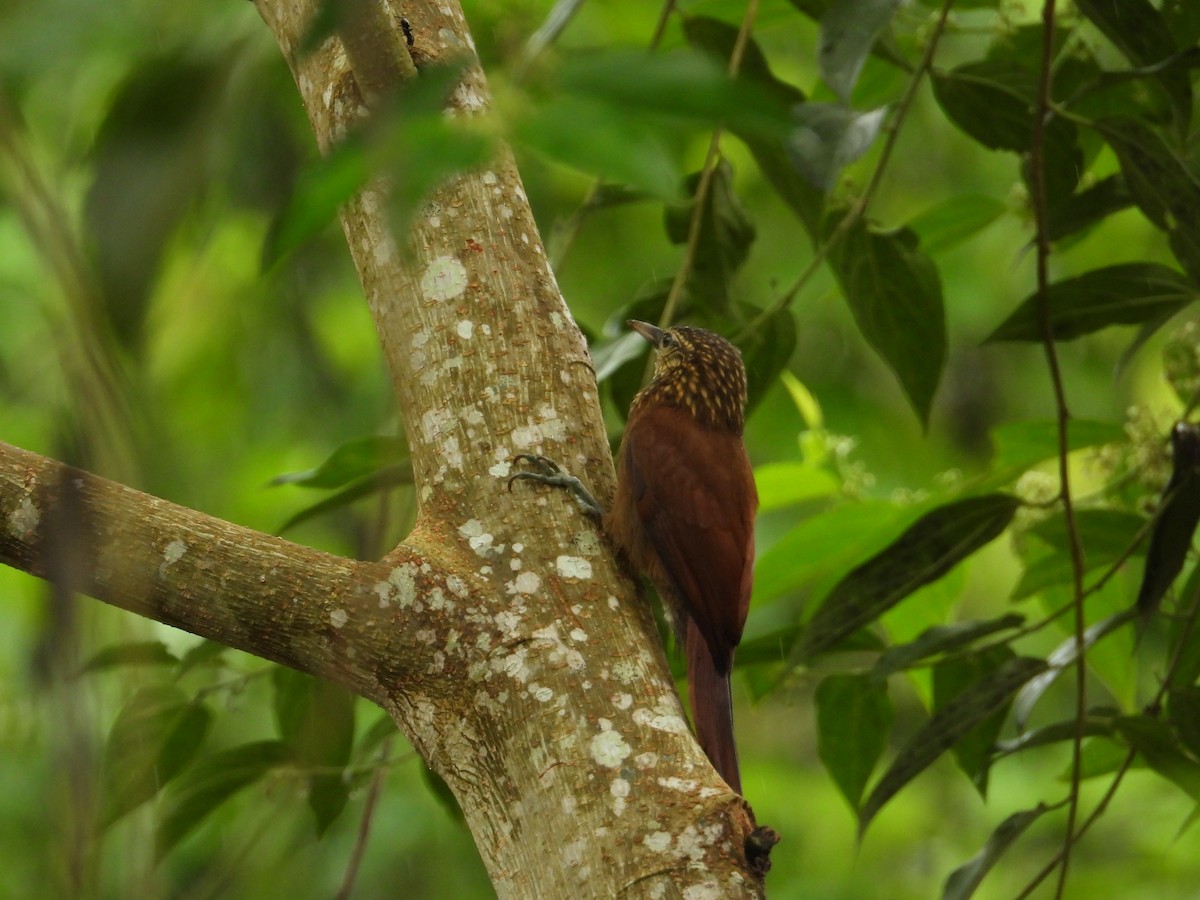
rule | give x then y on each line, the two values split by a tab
651	333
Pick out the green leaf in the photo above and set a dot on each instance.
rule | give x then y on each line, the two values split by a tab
1020	445
940	639
681	85
924	553
201	654
1178	516
132	653
955	220
1125	294
963	881
828	137
848	32
1064	655
1141	33
786	484
155	736
823	546
383	480
602	139
896	296
958	717
854	718
316	723
208	784
354	459
951	677
1094	725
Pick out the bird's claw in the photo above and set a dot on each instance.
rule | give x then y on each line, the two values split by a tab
551	473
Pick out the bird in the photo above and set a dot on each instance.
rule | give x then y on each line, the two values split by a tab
683	513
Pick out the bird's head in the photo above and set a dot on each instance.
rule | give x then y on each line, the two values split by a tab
697	370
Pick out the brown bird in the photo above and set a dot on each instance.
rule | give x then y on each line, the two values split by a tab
683	513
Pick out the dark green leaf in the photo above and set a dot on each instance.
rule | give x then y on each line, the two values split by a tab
992	100
316	722
1185	636
951	677
854	717
924	553
848	32
201	654
209	783
354	459
958	717
1183	714
1155	744
896	296
1142	34
385	479
1094	725
828	137
1064	655
723	243
1125	294
940	639
1177	519
1085	209
955	219
150	160
717	39
440	790
155	735
963	881
1106	535
1161	184
134	653
765	351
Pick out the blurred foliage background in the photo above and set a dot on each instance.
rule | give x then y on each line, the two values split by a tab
155	328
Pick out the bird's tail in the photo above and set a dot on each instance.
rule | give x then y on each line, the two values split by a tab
712	708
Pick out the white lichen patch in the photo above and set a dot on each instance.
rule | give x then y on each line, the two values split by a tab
659	720
619	790
436	422
489	177
573	567
578	635
587	542
24	519
478	539
515	564
708	890
622	701
526	583
573	852
647	760
683	785
451	452
525	437
445	278
174	552
541	693
465	329
608	748
338	618
613	602
658	842
625	671
456	586
400	588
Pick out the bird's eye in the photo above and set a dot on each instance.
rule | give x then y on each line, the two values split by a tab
668	340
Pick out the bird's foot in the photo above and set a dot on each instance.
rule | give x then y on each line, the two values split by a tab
547	471
758	849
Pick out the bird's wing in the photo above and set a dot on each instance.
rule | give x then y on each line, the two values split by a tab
694	494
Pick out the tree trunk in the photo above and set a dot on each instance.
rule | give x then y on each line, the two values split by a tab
500	635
